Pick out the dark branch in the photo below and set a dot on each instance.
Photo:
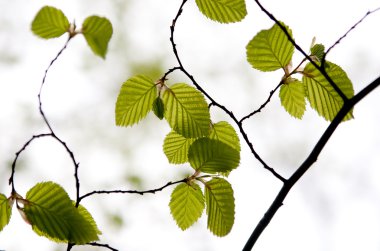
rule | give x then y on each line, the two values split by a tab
151	191
11	179
313	156
102	245
263	105
43	83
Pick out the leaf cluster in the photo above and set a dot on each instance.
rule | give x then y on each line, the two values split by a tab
51	22
52	214
211	149
271	49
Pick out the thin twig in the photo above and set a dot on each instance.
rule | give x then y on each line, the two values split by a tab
11	179
351	29
263	105
151	191
43	83
102	245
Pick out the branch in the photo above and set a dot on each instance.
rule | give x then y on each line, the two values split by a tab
263	105
11	179
43	83
102	245
278	201
351	29
212	101
52	134
152	191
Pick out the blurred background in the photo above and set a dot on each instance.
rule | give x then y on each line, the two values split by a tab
335	206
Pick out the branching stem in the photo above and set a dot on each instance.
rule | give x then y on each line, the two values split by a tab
212	101
150	191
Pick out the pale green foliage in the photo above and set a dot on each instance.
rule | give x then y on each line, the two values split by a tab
176	147
292	96
187	204
50	22
187	111
318	50
135	100
270	49
212	156
159	108
320	93
97	32
223	11
88	218
224	132
220	206
5	211
52	214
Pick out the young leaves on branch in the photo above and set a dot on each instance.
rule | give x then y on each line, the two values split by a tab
186	111
51	22
52	214
212	156
212	150
187	204
5	210
292	96
220	206
322	96
223	11
271	49
135	100
97	31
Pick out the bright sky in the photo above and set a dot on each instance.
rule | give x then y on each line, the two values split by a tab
334	207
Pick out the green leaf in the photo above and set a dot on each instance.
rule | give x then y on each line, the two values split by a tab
97	32
292	96
224	132
50	22
176	147
223	11
52	214
318	50
159	108
187	111
220	206
212	156
187	204
135	100
5	211
270	49
322	96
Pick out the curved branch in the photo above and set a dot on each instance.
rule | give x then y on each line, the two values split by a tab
11	179
43	83
263	105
